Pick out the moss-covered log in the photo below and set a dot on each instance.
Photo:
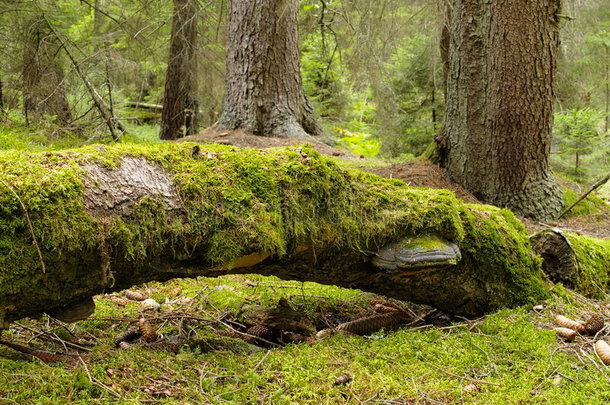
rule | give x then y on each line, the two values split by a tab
103	218
579	262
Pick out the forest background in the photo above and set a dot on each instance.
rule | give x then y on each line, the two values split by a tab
374	74
372	70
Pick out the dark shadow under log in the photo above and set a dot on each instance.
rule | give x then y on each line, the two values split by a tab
579	262
106	218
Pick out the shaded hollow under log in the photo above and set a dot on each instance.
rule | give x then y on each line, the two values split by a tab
109	217
579	262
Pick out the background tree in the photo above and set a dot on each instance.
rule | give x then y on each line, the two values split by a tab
264	91
43	75
496	137
180	102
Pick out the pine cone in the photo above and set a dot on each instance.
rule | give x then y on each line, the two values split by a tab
149	334
48	357
569	323
384	309
260	331
371	324
163	347
134	295
124	346
129	335
594	324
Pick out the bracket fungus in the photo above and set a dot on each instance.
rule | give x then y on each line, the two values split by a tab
417	253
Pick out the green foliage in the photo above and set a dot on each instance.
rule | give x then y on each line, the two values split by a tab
407	109
590	205
359	143
583	147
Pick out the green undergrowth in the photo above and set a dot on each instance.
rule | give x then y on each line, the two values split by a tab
591	205
510	356
43	137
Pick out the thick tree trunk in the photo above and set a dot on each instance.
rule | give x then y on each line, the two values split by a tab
499	103
264	91
43	76
1	97
180	101
75	224
579	262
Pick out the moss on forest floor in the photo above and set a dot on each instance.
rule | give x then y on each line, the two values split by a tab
506	357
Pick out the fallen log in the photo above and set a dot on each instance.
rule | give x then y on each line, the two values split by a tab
105	218
579	262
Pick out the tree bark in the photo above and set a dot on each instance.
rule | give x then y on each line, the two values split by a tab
102	219
499	103
180	101
44	92
264	90
1	97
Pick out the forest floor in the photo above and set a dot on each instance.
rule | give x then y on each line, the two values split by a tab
512	356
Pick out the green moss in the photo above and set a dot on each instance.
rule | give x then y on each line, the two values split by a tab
233	199
512	353
497	245
593	264
423	242
590	205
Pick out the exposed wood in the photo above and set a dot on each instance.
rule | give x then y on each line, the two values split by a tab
579	262
144	106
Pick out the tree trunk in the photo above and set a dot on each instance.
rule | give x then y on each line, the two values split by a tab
264	91
581	263
499	103
180	101
43	76
1	98
102	219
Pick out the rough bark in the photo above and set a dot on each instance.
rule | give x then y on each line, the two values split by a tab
1	97
180	101
264	91
499	103
106	219
44	90
579	262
